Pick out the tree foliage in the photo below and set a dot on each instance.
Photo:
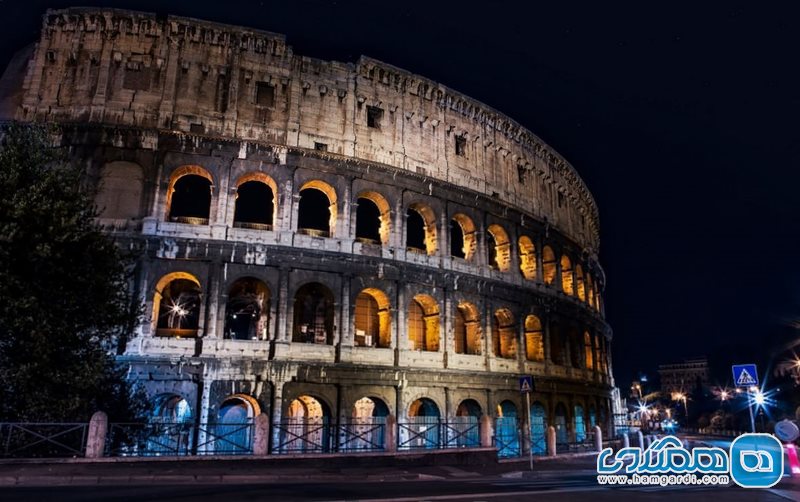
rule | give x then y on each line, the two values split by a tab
64	296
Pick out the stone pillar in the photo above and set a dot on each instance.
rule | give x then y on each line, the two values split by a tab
551	441
390	434
626	440
261	435
640	439
283	321
487	431
598	438
96	436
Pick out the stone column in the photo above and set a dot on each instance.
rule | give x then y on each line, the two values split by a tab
261	435
283	322
390	434
96	436
487	431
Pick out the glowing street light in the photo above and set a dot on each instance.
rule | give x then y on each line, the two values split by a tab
759	398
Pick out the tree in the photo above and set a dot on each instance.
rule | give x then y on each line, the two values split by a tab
64	295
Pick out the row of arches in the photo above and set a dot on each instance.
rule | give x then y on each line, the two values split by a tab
189	201
177	312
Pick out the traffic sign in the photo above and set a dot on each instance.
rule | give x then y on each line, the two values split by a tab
745	375
526	384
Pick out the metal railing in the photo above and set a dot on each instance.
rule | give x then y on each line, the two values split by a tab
507	437
435	433
321	436
178	439
43	440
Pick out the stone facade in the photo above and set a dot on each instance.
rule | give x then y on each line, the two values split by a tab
156	107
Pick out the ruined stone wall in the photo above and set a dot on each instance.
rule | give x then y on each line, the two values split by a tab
134	69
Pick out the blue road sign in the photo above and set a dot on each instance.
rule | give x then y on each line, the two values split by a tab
525	384
745	375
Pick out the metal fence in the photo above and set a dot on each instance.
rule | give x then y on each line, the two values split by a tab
320	436
434	433
43	440
178	439
507	437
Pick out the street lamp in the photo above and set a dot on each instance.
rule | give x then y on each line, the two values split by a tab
680	396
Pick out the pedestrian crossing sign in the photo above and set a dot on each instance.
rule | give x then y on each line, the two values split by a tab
525	384
745	375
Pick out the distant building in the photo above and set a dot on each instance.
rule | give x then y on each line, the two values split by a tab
683	376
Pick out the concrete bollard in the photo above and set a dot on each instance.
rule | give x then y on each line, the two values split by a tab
551	441
261	435
626	441
598	438
96	436
390	435
486	431
640	439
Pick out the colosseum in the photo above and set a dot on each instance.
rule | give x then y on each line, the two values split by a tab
366	257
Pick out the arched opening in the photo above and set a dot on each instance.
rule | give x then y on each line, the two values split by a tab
423	323
367	431
306	427
589	290
247	310
498	248
527	258
422	430
313	314
566	275
255	202
462	237
596	292
505	340
558	350
119	194
534	339
598	341
507	430
588	350
176	305
580	425
189	196
592	416
372	218
464	431
421	229
467	329
562	434
576	348
538	429
370	407
372	319
579	285
172	426
233	433
548	265
316	213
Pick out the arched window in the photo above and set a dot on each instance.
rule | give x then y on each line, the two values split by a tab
538	429
580	424
534	339
423	323
548	265
558	350
579	285
313	314
422	430
304	429
588	350
499	248
465	424
527	258
562	435
505	339
576	348
467	329
189	196
421	229
173	434
120	192
372	218
317	209
176	305
589	290
462	237
255	202
366	431
232	430
372	319
566	275
247	310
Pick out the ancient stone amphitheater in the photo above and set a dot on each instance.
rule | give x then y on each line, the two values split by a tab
335	245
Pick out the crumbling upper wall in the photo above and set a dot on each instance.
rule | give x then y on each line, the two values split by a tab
136	69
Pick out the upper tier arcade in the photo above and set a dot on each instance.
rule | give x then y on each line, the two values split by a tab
124	68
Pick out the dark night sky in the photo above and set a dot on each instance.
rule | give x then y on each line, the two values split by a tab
682	120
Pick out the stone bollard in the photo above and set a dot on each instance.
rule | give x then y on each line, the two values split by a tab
261	435
551	441
648	440
626	440
96	436
640	439
486	431
390	435
598	438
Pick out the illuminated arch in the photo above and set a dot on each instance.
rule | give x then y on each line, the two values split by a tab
462	237
467	329
172	204
271	207
313	314
499	248
384	217
372	319
566	276
428	235
588	350
534	339
548	265
305	213
184	303
527	258
247	310
423	323
504	336
579	284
